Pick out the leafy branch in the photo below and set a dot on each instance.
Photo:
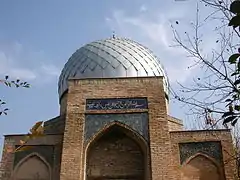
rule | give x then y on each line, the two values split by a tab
217	92
35	132
11	83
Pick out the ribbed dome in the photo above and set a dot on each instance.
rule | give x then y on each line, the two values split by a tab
111	58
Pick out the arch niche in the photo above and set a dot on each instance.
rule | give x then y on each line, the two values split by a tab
201	167
117	152
32	167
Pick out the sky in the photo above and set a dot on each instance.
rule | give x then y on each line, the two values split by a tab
38	37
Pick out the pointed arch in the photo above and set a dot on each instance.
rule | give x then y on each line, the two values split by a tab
31	157
128	130
204	155
203	167
131	134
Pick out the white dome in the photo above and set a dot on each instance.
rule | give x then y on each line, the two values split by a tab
111	58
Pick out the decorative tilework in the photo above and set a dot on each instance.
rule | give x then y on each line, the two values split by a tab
45	151
211	148
123	103
95	122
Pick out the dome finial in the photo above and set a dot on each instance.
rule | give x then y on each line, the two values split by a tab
113	35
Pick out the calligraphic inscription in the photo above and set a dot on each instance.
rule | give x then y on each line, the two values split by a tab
123	103
95	122
210	148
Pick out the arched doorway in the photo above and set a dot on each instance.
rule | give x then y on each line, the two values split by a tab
116	154
201	167
33	167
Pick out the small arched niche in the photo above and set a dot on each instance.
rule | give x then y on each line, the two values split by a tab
116	153
32	167
201	167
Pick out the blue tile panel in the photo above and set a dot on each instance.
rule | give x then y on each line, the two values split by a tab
95	122
212	149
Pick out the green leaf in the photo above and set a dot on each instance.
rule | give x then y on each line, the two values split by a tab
229	119
233	58
237	82
234	122
230	107
235	21
227	114
235	73
237	107
238	65
235	7
235	96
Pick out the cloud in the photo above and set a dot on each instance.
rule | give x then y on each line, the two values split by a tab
17	47
51	70
143	8
17	62
154	30
7	67
25	74
157	32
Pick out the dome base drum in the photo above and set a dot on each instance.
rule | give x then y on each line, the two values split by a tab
111	58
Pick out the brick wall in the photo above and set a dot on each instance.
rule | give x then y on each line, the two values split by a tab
200	168
223	136
161	150
2	171
39	145
73	158
63	104
124	157
55	125
7	158
174	124
57	161
39	169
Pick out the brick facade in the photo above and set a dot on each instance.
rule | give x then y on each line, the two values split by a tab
48	148
174	124
79	91
139	143
227	167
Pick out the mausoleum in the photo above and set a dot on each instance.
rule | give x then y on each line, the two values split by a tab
114	124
